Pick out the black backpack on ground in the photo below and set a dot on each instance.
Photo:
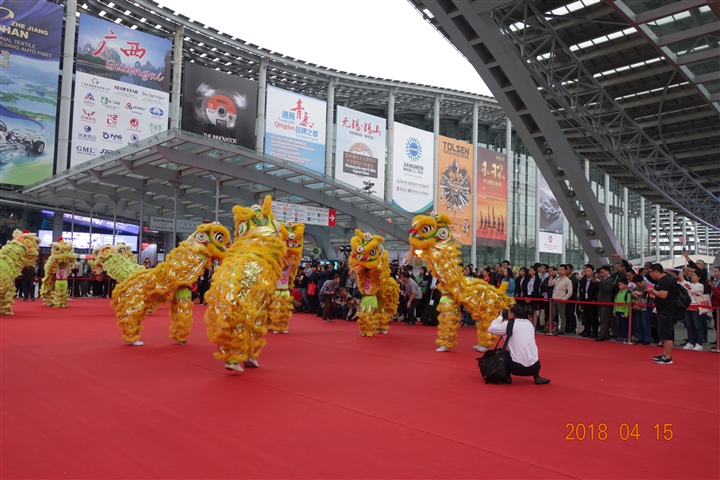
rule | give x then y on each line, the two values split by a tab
495	364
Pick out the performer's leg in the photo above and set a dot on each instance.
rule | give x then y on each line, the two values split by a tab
449	324
181	315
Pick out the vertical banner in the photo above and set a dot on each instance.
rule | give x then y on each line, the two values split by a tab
413	169
360	151
30	32
491	211
219	106
455	161
295	128
121	88
551	219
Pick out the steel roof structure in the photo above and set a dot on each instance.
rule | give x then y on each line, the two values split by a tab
634	86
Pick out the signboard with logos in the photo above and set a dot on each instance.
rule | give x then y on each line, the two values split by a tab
162	224
360	151
491	211
413	169
295	128
455	179
551	219
121	88
30	32
290	212
81	240
219	106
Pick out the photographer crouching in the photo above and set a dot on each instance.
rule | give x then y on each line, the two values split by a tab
524	360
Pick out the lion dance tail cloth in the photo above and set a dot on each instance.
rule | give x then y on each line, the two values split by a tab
381	293
143	290
432	241
54	291
243	287
21	251
281	306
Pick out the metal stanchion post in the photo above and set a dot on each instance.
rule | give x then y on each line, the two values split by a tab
630	311
550	314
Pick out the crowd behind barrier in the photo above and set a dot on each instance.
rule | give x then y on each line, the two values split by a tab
630	319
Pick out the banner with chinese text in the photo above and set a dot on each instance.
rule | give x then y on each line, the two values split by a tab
295	128
551	219
360	149
121	88
455	179
219	106
413	169
30	40
491	210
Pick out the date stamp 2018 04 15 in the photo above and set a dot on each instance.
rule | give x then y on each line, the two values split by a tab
625	431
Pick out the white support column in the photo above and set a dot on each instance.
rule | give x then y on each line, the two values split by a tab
92	207
217	197
176	77
262	92
657	233
696	237
707	240
563	254
587	177
642	230
510	175
626	222
390	145
607	200
115	204
436	150
537	214
683	239
329	167
473	197
72	226
66	87
140	232
672	234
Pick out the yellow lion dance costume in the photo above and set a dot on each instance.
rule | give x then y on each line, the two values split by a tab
54	291
431	240
243	287
118	261
21	251
281	308
170	280
381	293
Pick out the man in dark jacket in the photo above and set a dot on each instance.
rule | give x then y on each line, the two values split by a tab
570	308
587	292
606	286
27	276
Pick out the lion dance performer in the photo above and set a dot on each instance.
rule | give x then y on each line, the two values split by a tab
243	287
381	293
54	291
431	240
21	251
143	290
118	261
281	308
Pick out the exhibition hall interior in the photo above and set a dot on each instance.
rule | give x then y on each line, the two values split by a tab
362	275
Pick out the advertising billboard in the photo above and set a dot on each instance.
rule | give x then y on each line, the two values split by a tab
291	212
455	179
295	128
550	222
360	149
30	32
491	210
81	240
219	106
413	169
121	88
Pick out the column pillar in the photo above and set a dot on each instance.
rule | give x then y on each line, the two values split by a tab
672	234
66	87
176	77
473	197
587	177
626	222
684	241
329	167
657	233
642	230
262	92
140	231
436	149
390	145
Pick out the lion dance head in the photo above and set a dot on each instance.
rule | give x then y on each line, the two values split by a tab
426	231
214	237
256	220
366	249
30	243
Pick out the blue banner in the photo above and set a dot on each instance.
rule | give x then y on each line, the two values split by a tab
30	40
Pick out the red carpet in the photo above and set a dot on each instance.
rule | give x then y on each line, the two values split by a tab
326	403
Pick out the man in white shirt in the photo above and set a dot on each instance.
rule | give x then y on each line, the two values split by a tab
524	361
